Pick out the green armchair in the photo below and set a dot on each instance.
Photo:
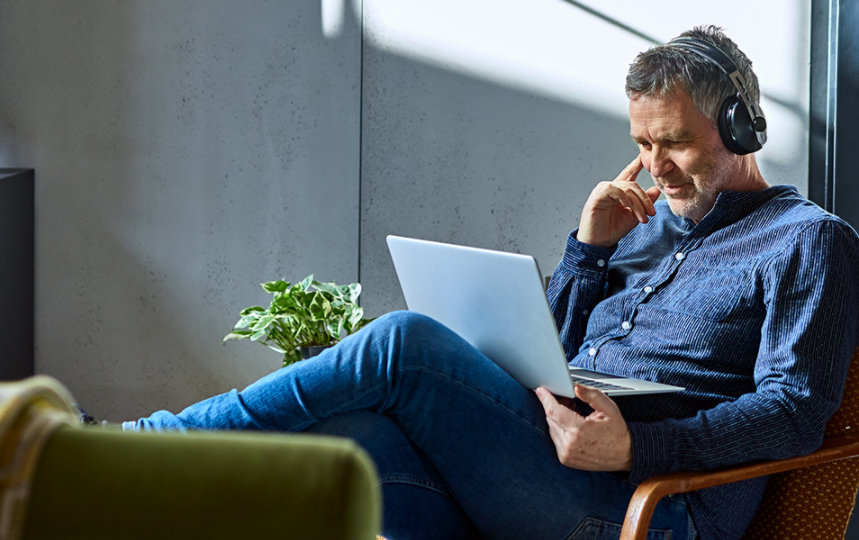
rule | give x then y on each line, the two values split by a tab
62	480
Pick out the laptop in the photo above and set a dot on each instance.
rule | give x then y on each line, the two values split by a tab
496	302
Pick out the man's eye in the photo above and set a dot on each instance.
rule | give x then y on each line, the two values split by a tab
645	145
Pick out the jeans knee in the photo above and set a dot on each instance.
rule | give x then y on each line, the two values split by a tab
403	317
410	336
409	325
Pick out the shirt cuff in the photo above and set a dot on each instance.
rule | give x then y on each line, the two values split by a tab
650	450
581	258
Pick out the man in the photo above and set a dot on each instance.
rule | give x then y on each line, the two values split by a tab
742	293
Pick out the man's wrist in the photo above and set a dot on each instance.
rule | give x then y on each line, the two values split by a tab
628	459
586	237
580	257
651	450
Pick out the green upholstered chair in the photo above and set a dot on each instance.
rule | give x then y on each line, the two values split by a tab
63	480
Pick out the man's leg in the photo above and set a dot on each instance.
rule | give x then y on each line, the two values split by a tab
484	433
415	499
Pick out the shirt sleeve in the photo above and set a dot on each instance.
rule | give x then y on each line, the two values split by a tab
809	333
577	284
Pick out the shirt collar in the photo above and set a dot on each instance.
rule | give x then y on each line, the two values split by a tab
732	206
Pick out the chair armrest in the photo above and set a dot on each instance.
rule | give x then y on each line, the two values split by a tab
99	483
649	492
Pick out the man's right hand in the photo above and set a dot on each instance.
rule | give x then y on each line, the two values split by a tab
615	208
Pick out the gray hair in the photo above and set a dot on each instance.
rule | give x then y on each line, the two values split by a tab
666	68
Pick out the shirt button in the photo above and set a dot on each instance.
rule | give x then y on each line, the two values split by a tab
585	312
679	255
592	352
648	289
601	263
626	325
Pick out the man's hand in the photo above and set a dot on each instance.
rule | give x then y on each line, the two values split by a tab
615	208
599	441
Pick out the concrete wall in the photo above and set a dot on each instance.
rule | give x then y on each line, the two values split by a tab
185	152
183	155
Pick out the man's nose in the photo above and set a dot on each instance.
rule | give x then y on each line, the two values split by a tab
660	162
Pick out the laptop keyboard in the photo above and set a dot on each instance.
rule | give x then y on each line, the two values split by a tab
597	384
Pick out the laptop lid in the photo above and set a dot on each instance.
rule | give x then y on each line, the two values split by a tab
496	302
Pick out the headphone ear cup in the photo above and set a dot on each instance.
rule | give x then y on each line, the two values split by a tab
736	127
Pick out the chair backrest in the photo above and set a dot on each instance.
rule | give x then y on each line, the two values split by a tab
30	412
815	502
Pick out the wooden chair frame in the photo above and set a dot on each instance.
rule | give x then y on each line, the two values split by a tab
649	492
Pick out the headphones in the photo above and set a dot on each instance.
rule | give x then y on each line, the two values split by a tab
742	125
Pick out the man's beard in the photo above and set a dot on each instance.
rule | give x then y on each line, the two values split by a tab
694	207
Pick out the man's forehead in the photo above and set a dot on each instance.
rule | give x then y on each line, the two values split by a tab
656	134
670	116
671	102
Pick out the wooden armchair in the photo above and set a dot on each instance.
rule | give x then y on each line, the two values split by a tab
808	496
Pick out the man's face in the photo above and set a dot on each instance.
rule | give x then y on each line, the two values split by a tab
683	152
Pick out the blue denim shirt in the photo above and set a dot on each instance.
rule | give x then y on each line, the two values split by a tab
753	310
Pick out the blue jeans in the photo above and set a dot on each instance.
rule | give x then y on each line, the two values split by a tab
462	449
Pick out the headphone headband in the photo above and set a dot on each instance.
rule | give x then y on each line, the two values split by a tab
719	58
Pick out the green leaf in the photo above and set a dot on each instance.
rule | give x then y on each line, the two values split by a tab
275	286
282	303
305	283
263	322
252	309
237	334
362	323
276	348
354	319
335	328
247	321
351	292
256	336
329	288
319	307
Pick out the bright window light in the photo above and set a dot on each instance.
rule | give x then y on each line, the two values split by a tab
333	12
536	46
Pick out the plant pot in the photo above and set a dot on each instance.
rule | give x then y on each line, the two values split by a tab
313	350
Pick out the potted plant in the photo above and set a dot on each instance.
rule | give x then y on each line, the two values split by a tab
302	319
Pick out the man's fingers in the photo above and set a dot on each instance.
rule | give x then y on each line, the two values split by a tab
615	208
559	420
547	399
647	199
630	172
556	412
598	401
631	202
631	196
644	196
